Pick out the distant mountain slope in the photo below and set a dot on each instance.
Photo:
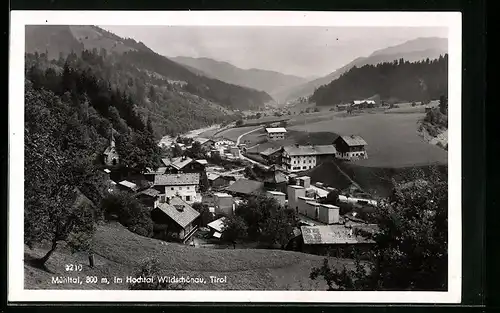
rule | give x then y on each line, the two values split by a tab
269	81
401	80
62	40
413	50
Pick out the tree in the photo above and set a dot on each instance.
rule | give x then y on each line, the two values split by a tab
205	215
129	212
410	250
443	105
258	115
151	267
176	151
332	197
239	123
278	226
234	229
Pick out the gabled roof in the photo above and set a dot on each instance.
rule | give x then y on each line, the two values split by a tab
202	161
179	211
202	140
177	179
353	140
212	176
245	186
218	224
150	192
330	234
177	163
310	150
276	130
128	184
270	151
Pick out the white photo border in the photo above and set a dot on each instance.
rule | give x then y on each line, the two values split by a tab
19	19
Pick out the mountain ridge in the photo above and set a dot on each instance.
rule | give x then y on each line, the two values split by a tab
269	81
430	47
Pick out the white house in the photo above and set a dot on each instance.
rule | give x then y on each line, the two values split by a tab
182	185
300	158
276	133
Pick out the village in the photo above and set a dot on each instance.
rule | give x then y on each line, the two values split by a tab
215	176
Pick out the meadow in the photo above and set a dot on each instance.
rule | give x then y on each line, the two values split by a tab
392	139
119	251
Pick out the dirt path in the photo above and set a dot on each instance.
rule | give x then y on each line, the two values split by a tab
248	132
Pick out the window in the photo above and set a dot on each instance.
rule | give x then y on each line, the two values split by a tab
180	188
188	198
304	167
171	188
188	187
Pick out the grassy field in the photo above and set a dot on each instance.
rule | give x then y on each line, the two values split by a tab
234	133
392	139
118	252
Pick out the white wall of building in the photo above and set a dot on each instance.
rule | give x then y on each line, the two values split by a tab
187	193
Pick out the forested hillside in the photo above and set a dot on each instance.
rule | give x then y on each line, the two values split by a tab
401	80
177	99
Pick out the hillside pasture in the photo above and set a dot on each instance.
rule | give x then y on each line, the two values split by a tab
392	139
118	252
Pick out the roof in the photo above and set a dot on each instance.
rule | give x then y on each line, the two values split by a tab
160	170
295	186
270	151
202	161
110	149
277	193
107	171
217	224
222	194
150	192
329	206
245	186
363	101
312	202
353	140
276	130
177	179
128	184
177	163
322	193
277	178
330	234
310	150
202	140
182	217
212	176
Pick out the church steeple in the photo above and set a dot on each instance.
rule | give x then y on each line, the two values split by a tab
112	139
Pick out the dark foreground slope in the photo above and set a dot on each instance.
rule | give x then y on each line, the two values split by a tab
118	252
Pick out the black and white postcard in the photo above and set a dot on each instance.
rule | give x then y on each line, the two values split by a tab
231	156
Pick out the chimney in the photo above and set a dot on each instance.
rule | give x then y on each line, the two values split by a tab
179	208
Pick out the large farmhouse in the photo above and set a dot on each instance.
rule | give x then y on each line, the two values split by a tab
276	133
183	185
300	158
350	147
183	164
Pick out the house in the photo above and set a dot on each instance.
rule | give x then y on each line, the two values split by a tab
174	219
338	240
300	158
149	197
224	204
235	151
276	133
205	143
363	103
276	179
350	147
221	142
125	185
183	164
219	180
182	185
279	196
111	157
272	155
150	175
216	227
245	187
294	192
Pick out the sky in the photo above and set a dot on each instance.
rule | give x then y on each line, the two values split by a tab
310	51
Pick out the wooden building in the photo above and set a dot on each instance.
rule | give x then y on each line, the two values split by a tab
174	220
350	147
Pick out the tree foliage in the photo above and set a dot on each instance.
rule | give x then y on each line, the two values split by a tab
400	79
234	229
129	211
410	251
205	215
